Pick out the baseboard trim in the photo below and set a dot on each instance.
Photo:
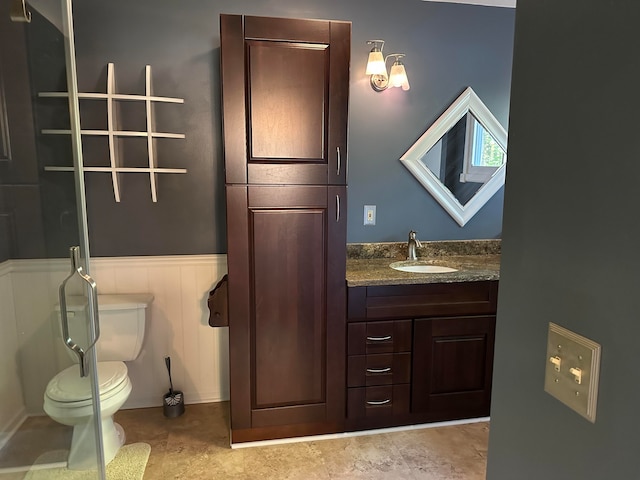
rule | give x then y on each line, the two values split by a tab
190	399
12	426
334	436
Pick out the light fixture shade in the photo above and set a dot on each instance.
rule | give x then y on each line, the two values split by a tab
375	65
398	76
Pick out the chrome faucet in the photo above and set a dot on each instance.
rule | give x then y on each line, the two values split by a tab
412	245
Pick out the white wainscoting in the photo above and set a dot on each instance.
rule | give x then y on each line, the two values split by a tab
178	325
12	412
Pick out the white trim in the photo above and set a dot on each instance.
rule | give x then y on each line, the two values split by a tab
6	268
216	259
32	468
334	436
12	427
468	101
41	265
486	3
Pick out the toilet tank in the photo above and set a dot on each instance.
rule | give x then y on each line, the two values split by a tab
122	319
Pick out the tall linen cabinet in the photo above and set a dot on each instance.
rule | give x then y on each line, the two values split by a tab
285	86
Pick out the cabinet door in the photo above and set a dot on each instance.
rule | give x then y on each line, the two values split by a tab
452	366
287	306
285	85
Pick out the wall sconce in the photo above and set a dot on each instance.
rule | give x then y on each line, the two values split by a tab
377	68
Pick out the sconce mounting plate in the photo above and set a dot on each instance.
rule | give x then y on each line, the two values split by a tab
379	82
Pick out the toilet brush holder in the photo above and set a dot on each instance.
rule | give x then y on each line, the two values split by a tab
173	401
173	404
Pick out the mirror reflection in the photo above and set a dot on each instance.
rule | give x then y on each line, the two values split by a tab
465	158
461	158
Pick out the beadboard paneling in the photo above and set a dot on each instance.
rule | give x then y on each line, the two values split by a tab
177	325
12	412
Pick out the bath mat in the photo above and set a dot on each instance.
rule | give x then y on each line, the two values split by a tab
128	464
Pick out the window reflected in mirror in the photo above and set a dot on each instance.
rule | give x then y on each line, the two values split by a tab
465	158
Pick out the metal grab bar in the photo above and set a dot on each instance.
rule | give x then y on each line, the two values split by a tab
94	333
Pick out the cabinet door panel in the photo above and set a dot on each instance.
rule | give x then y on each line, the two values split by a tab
285	90
452	366
287	304
287	115
288	324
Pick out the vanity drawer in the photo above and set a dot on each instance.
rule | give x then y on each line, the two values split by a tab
388	302
363	402
378	369
379	337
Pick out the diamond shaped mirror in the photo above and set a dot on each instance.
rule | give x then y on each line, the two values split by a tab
461	158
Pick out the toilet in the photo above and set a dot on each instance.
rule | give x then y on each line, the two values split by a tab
67	398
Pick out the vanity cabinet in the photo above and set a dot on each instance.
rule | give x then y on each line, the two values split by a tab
284	102
419	353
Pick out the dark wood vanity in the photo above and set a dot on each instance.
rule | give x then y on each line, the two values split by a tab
419	353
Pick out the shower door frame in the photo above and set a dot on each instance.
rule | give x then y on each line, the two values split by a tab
76	141
60	16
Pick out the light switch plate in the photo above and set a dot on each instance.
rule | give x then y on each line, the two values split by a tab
572	370
369	214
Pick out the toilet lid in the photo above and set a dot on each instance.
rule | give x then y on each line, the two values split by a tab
69	386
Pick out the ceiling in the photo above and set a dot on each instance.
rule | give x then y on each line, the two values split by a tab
490	3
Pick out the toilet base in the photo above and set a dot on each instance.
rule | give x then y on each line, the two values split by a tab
82	455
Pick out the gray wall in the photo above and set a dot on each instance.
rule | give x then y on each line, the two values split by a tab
448	47
570	246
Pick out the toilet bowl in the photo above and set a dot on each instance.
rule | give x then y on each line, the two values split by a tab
67	398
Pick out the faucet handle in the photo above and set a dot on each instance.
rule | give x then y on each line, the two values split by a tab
412	236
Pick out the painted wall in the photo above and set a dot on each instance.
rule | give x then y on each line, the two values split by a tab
448	47
570	247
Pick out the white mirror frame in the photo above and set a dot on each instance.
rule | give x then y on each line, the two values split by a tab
468	101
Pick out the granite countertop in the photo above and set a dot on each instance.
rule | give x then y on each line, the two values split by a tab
475	260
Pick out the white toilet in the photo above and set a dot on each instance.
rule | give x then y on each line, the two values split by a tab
67	399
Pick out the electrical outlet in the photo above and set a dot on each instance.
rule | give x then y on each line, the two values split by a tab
369	214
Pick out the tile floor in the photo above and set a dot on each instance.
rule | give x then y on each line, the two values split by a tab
196	446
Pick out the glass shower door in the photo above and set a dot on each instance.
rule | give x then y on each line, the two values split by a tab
43	244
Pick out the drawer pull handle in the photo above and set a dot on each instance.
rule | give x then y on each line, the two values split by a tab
378	370
380	402
380	339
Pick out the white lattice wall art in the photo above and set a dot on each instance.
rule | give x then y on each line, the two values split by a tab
115	167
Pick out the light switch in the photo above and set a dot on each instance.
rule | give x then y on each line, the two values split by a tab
572	370
369	214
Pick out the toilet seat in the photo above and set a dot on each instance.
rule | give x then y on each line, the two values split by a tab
67	387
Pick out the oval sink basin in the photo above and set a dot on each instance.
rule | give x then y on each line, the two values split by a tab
420	267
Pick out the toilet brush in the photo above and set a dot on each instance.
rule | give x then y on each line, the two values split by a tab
173	405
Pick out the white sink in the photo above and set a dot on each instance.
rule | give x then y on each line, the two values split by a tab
416	266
